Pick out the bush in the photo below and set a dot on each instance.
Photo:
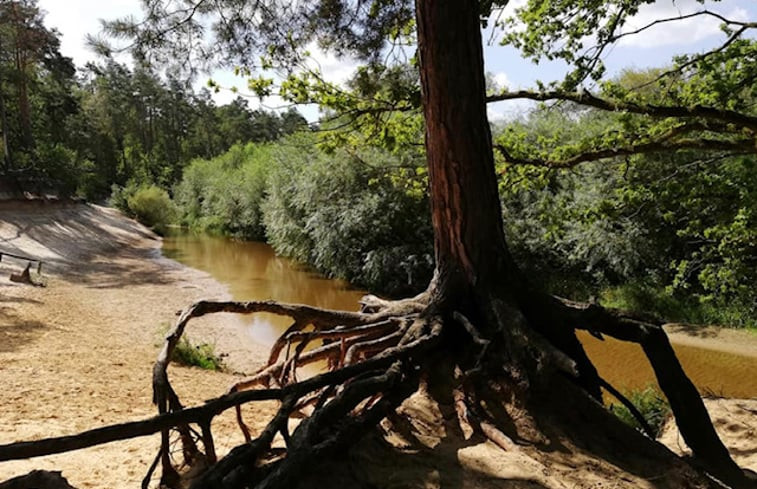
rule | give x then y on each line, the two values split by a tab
202	355
640	297
152	206
149	204
354	214
664	303
223	195
651	404
119	196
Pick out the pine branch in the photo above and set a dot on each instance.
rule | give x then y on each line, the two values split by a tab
740	119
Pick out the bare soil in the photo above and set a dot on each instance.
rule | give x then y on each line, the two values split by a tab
77	354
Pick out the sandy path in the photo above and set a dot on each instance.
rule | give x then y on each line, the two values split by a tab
78	353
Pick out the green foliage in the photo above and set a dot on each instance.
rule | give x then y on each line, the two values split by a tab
149	204
350	214
203	355
69	134
680	223
38	103
679	307
358	214
223	195
119	196
137	126
651	404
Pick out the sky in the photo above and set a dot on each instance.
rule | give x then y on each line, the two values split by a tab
74	19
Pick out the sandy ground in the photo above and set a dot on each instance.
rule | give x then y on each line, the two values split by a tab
735	420
729	340
77	354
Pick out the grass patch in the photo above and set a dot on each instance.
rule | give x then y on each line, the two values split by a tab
650	403
202	355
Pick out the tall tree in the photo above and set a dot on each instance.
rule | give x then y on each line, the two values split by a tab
482	339
39	100
27	44
4	126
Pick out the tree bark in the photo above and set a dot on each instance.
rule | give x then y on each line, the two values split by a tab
469	240
473	262
7	157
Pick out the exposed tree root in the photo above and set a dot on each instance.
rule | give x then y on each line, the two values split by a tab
373	350
502	382
686	403
381	330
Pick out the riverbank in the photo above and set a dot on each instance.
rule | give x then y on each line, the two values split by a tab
727	340
78	353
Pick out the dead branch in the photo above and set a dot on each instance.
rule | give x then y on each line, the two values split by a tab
133	429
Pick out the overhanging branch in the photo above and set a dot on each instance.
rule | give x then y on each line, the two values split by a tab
740	119
739	146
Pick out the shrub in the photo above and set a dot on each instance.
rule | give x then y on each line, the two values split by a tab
650	403
223	195
202	355
152	206
640	297
662	302
355	214
119	196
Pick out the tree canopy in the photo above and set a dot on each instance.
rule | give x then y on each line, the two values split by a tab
484	340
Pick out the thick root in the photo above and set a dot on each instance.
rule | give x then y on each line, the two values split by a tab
505	382
349	342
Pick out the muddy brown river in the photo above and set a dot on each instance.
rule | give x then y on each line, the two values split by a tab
252	271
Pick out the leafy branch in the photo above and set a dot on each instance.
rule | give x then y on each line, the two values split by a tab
739	146
740	119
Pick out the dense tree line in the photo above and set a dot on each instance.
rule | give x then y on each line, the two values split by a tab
67	131
665	222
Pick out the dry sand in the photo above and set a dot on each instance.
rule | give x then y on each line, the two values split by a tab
77	354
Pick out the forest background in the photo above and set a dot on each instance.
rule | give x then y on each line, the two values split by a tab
668	229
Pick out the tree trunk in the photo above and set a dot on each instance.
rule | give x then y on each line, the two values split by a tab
24	109
7	157
468	236
472	259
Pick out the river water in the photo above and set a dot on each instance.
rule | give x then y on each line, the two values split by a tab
252	271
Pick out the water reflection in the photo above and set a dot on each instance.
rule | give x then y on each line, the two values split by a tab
252	271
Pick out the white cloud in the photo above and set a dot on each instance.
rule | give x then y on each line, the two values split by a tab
509	110
686	31
501	80
77	18
333	69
